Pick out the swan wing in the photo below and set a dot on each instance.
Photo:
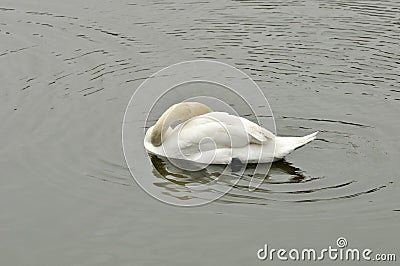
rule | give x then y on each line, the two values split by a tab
259	134
219	130
256	133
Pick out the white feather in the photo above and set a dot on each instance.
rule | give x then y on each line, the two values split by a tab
217	137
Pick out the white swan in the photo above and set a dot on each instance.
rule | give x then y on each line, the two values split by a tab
210	137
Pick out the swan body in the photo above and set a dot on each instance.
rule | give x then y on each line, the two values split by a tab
209	137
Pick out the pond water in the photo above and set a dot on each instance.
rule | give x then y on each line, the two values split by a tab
69	68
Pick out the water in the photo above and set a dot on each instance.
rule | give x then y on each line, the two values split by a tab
69	68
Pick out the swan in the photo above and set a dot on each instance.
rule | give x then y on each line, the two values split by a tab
209	137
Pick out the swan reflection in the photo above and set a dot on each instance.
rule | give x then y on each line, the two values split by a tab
280	172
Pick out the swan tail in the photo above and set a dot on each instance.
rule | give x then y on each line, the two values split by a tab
306	139
285	145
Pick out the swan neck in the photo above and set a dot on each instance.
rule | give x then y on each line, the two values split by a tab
181	111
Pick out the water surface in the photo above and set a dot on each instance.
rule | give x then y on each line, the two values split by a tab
69	68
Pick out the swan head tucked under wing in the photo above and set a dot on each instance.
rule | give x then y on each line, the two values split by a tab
181	111
209	137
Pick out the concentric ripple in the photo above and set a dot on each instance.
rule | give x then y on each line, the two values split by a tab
68	71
